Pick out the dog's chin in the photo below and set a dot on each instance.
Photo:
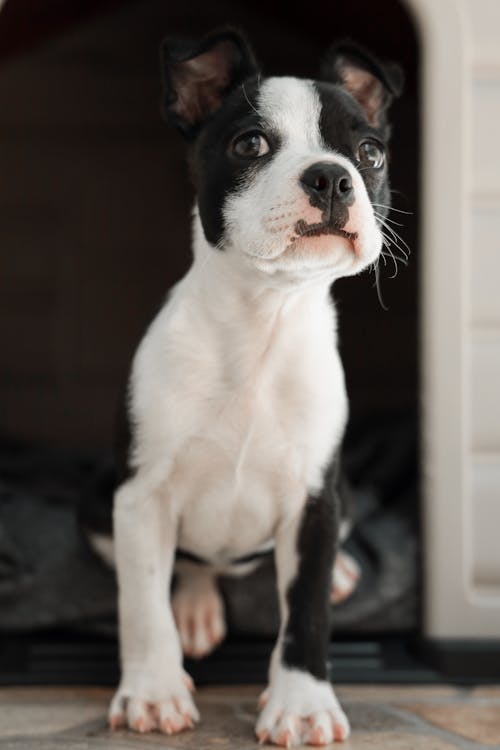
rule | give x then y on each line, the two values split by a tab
321	251
318	251
344	254
309	257
348	252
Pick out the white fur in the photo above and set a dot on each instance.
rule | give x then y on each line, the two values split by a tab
234	427
152	691
300	706
238	400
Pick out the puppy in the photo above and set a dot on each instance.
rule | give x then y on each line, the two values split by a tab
236	400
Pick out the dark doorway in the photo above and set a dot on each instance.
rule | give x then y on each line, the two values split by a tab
95	223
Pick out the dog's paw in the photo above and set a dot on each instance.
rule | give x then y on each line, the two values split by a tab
199	614
301	710
169	711
345	577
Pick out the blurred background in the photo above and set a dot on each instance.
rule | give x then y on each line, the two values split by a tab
97	200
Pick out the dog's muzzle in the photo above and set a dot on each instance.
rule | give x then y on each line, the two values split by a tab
329	188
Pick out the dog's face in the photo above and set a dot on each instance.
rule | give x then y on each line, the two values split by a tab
289	173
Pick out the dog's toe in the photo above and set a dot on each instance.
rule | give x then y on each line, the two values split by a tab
117	715
320	730
177	714
141	715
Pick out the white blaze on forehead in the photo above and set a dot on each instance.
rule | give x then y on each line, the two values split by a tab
293	108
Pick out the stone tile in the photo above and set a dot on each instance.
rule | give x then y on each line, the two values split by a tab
229	693
374	717
393	693
75	719
58	743
51	694
227	723
42	717
395	741
474	722
490	692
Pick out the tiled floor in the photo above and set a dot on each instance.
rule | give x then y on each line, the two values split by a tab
382	718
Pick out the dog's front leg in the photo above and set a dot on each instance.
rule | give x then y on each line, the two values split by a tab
300	705
153	691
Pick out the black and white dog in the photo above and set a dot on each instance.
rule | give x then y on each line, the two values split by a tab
236	398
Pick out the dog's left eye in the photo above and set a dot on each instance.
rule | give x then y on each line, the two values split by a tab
370	154
250	145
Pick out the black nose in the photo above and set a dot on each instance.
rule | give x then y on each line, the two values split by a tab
325	182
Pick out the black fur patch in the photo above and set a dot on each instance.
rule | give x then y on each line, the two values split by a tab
308	628
216	171
343	127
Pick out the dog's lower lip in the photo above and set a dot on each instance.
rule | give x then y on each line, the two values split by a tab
303	229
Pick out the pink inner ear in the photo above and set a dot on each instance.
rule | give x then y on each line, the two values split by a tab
201	81
367	89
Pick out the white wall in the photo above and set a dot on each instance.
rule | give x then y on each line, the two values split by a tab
483	18
461	315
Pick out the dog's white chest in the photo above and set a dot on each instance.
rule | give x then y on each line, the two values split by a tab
249	411
248	459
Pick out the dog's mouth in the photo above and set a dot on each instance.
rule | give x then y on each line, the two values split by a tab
303	229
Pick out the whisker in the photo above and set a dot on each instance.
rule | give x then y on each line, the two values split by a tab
391	208
385	219
248	100
395	237
396	257
392	242
389	242
394	261
397	223
376	271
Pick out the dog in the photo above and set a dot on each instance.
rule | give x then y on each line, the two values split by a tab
236	402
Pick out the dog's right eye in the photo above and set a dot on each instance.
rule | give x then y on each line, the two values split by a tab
250	145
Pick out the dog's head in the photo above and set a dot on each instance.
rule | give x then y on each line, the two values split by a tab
288	172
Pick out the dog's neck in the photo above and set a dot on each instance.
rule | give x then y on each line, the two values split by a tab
227	278
254	321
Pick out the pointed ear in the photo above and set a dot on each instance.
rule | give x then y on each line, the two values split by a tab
197	76
372	83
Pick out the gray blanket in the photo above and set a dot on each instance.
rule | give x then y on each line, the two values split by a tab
50	577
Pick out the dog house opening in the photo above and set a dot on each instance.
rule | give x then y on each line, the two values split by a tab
95	229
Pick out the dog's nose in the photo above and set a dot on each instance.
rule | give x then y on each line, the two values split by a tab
325	182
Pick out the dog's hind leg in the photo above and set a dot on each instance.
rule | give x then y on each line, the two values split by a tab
198	609
345	577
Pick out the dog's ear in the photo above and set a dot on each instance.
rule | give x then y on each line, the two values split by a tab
198	75
372	83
